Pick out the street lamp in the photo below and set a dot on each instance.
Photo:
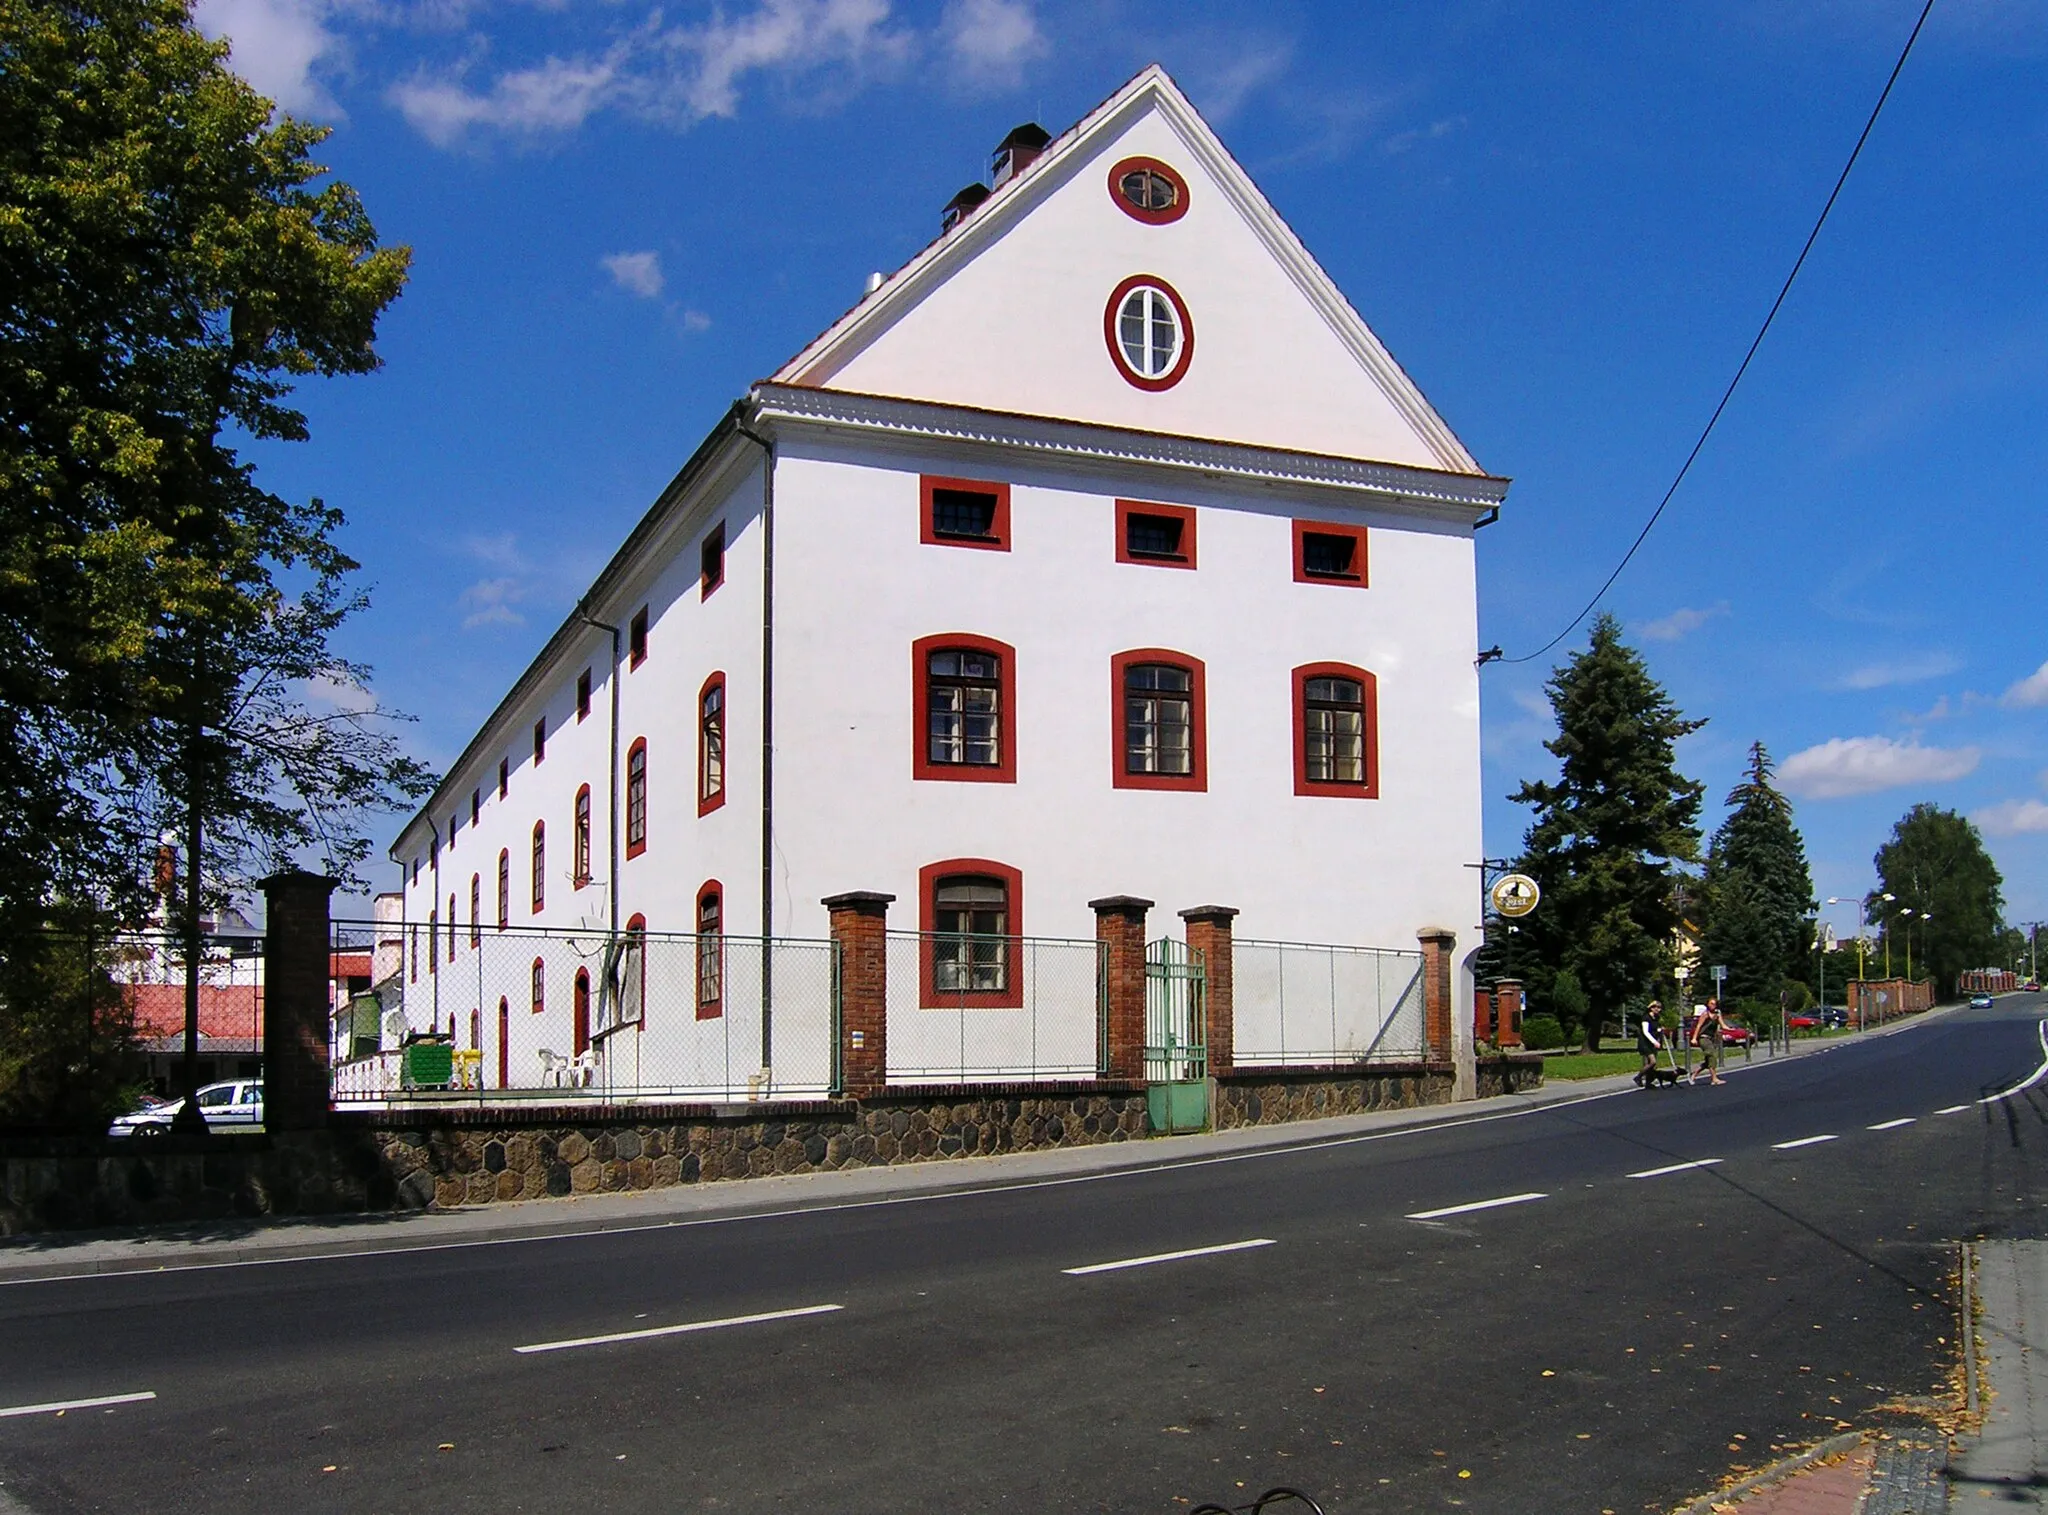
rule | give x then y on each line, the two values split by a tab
1836	899
1884	925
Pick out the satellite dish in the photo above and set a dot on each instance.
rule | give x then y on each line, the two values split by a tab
588	936
395	1027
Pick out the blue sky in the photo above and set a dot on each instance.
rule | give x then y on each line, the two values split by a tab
1565	220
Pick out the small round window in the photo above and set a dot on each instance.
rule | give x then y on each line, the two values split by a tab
1149	191
1151	339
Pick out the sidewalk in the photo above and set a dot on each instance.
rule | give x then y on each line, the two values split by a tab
64	1254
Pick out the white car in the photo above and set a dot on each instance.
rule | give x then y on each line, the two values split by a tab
233	1106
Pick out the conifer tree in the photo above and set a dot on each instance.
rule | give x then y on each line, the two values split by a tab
1759	891
1608	835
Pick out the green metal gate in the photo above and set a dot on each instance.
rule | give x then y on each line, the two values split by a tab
1176	1038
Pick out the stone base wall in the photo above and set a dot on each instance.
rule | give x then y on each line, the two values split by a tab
438	1159
1275	1096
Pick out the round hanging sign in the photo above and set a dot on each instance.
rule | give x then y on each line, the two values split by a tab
1515	895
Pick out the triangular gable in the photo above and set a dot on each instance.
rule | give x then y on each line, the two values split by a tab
1006	311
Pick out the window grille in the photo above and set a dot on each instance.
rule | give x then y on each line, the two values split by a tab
963	723
1333	731
971	914
1158	719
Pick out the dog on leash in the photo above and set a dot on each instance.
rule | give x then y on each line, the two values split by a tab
1651	1077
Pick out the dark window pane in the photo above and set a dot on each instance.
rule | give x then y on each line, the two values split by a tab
971	951
963	513
1333	731
1324	552
963	717
1152	536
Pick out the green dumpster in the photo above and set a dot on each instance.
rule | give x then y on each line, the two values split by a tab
428	1065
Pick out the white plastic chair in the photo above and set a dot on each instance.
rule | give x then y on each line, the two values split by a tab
583	1069
553	1067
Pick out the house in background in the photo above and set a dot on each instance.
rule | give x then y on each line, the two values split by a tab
1102	549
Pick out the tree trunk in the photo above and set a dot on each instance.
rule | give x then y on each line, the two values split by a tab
189	1120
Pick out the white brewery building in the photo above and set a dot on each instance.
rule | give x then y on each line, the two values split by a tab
1101	549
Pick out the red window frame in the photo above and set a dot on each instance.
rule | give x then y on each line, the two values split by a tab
579	838
636	638
1182	359
476	805
636	925
711	562
1004	770
1185	514
580	1012
1359	560
1197	780
504	1041
583	696
929	877
540	985
540	741
1173	176
540	871
1369	691
451	926
711	969
504	777
504	887
708	797
433	945
476	910
998	538
636	797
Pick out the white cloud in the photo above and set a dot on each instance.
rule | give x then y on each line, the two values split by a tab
338	695
1866	764
500	551
1402	142
990	41
1915	669
2029	691
276	45
1243	68
695	320
490	601
556	96
637	273
1680	622
2015	818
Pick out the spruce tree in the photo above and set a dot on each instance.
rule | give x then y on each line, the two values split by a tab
1759	891
1608	835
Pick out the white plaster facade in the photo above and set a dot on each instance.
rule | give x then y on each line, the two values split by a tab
985	358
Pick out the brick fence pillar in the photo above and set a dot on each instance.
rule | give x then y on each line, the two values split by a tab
1482	1014
297	1000
1120	927
1209	933
1507	999
1437	945
860	925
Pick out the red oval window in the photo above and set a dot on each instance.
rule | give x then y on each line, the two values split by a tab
1148	190
1150	334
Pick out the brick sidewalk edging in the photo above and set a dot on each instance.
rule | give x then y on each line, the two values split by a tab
1833	1446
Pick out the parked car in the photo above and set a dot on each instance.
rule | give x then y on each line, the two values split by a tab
1803	1022
2031	986
1834	1017
236	1105
1734	1034
1980	1002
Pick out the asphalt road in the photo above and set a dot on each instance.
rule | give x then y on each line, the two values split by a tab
1607	1342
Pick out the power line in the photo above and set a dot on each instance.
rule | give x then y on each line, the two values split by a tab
1729	393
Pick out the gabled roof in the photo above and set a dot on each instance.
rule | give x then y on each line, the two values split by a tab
1151	92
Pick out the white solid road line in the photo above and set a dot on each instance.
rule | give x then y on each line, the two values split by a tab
1804	1141
1952	1110
2032	1078
1892	1125
1704	1162
1482	1204
58	1406
695	1325
1162	1257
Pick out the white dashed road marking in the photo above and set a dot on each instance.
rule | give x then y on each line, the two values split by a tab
58	1406
1704	1162
1804	1141
1162	1257
1952	1110
683	1330
1892	1125
1482	1204
2031	1079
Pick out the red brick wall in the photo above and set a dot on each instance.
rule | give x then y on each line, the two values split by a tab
1120	927
860	923
295	1001
1437	945
1209	933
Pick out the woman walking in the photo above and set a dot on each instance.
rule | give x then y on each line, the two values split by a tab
1706	1035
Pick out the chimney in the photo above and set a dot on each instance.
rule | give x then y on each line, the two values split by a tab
961	206
1015	152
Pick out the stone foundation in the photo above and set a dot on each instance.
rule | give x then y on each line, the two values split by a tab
1275	1096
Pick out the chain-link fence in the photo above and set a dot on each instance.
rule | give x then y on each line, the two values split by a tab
966	1008
1296	1004
529	1013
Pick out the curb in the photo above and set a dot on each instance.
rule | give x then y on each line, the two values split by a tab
1706	1503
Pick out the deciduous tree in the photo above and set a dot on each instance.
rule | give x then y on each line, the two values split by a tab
1936	865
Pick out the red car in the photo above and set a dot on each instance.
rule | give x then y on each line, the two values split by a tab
1802	1022
1733	1035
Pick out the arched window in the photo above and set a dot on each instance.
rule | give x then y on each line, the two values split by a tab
582	1011
710	951
1161	740
433	941
540	986
540	866
580	837
965	688
970	910
451	928
504	888
1336	731
414	934
636	798
476	911
1151	337
711	744
504	1042
632	974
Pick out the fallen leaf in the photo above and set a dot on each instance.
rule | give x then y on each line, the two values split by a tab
446	1446
1549	1373
1464	1472
328	1469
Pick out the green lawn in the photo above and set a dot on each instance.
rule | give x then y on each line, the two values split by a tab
1588	1064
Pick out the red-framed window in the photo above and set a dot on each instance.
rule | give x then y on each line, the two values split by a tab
540	866
579	838
540	741
504	887
1336	731
583	695
1329	552
476	805
964	699
1149	332
636	638
433	942
504	777
451	927
710	951
1162	536
632	985
1147	190
580	1005
476	910
971	913
476	1030
1161	736
964	513
636	797
414	934
711	562
504	1042
540	986
711	744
